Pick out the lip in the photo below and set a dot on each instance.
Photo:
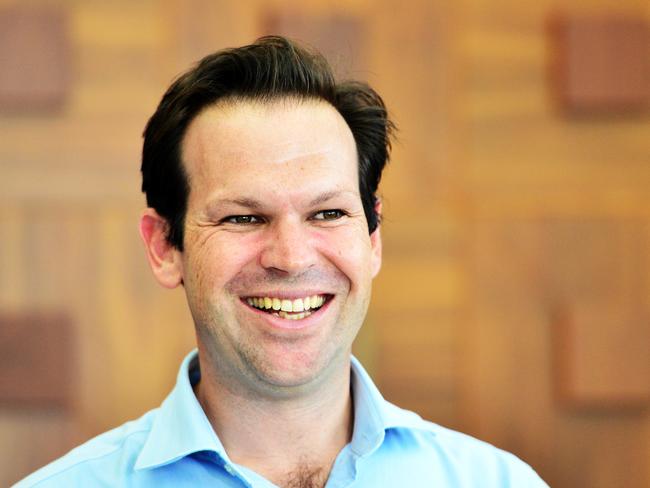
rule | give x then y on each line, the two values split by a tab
276	322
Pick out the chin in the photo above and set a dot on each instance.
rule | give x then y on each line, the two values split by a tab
291	370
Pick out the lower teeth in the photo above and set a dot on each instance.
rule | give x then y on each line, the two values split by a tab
292	316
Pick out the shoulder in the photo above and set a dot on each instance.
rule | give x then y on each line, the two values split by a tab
464	449
101	460
467	460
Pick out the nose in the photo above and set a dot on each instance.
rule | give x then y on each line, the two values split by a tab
288	247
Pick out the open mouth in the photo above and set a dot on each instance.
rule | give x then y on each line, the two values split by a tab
295	309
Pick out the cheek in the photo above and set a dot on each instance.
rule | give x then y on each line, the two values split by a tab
349	250
219	259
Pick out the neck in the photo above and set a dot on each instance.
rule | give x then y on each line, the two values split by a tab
276	437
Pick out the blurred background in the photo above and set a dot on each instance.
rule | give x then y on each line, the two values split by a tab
513	302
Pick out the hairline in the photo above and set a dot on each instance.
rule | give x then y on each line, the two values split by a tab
262	100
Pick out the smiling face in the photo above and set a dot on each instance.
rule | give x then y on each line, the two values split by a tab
277	262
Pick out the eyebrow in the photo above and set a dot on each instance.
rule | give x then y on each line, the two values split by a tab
328	195
253	204
242	202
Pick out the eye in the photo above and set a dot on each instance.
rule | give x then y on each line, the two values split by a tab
242	219
332	214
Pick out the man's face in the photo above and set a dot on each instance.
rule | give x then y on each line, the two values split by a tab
275	219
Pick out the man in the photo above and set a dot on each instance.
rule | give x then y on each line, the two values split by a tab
261	173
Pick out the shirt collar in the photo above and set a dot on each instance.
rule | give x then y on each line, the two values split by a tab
181	428
373	415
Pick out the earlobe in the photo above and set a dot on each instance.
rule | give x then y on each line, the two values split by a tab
164	259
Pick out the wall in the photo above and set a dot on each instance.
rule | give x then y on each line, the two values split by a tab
485	180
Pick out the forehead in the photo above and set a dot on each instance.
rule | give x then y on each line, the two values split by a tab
245	144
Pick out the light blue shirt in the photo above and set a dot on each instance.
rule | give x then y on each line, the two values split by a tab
175	446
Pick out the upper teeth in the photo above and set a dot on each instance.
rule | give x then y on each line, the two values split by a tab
296	305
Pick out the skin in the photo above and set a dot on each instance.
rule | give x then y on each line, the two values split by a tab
274	210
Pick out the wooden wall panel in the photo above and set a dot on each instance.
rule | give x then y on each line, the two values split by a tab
557	211
602	357
458	311
85	259
340	38
70	201
32	438
596	277
415	359
34	47
37	360
599	63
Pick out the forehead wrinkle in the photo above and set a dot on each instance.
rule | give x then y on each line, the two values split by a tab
250	154
222	137
222	124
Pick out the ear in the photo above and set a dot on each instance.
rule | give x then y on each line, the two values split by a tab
164	259
375	243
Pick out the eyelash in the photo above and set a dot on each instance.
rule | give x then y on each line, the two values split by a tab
255	220
339	213
232	219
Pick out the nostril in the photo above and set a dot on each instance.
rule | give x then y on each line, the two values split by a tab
288	249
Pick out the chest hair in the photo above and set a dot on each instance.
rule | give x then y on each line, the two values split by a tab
306	477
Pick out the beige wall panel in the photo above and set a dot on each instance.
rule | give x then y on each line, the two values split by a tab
574	152
568	202
128	330
455	330
506	398
20	431
489	48
415	360
405	281
12	256
613	452
199	27
424	232
519	279
118	23
89	262
78	173
83	185
415	345
602	356
410	66
596	277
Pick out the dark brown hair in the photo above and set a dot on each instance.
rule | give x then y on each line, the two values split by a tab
271	68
